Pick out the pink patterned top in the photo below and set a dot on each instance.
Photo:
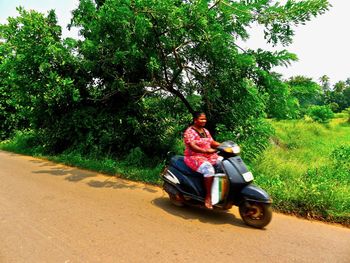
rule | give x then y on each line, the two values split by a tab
195	159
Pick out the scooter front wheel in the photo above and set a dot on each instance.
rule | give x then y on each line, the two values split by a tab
255	214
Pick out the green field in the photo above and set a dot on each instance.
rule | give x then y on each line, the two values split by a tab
307	169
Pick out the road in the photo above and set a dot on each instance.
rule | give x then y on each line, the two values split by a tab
54	213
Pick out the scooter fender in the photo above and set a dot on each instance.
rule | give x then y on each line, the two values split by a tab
254	193
184	184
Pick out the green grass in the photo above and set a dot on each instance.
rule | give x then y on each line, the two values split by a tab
301	175
23	143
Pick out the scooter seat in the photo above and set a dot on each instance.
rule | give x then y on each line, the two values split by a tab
178	162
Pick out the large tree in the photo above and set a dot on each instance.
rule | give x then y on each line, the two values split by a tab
307	91
340	95
37	70
190	47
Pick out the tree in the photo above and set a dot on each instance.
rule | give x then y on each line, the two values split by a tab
325	84
188	47
340	95
281	104
37	69
307	91
340	86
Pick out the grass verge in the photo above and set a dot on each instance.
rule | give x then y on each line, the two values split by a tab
22	143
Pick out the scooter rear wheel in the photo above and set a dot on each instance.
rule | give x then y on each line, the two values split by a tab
255	214
176	200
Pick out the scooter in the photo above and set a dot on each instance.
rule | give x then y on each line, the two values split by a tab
186	187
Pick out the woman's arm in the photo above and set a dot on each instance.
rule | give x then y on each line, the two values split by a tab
198	149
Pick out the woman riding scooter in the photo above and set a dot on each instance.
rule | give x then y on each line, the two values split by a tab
233	181
200	153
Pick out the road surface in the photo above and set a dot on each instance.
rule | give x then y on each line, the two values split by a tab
55	213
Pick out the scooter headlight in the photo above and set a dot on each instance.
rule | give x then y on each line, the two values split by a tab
236	149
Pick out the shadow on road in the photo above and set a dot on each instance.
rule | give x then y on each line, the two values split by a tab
120	184
101	181
70	174
217	217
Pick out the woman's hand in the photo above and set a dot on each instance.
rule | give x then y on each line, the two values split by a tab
211	150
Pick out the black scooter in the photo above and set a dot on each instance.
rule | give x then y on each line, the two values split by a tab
187	187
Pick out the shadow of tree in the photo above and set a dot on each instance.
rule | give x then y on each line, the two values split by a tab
44	163
75	175
71	174
216	216
119	184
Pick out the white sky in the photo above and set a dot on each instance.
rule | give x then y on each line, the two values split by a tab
322	45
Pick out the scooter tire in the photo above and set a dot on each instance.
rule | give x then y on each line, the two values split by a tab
255	214
176	200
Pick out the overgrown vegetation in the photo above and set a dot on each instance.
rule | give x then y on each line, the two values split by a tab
306	170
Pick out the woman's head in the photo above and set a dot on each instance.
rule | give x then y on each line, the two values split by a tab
199	119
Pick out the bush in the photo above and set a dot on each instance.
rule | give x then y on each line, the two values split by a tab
347	111
253	140
322	114
24	142
334	106
341	157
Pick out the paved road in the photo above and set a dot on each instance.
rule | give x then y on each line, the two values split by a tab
55	213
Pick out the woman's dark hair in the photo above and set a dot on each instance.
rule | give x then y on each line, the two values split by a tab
196	114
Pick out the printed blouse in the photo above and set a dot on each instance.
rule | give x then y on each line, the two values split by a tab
195	159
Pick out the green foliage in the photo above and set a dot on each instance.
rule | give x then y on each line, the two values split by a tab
338	95
347	110
334	106
305	90
26	142
281	103
341	157
154	44
306	169
140	69
122	85
37	82
321	114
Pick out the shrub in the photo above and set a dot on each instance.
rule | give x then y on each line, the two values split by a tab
341	157
347	111
334	106
253	140
321	114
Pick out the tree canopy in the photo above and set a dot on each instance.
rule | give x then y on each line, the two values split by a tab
141	66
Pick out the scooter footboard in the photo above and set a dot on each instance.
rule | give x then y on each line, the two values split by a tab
255	193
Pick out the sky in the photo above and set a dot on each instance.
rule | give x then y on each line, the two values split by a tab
322	45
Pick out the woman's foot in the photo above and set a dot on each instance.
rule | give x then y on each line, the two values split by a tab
207	203
208	181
